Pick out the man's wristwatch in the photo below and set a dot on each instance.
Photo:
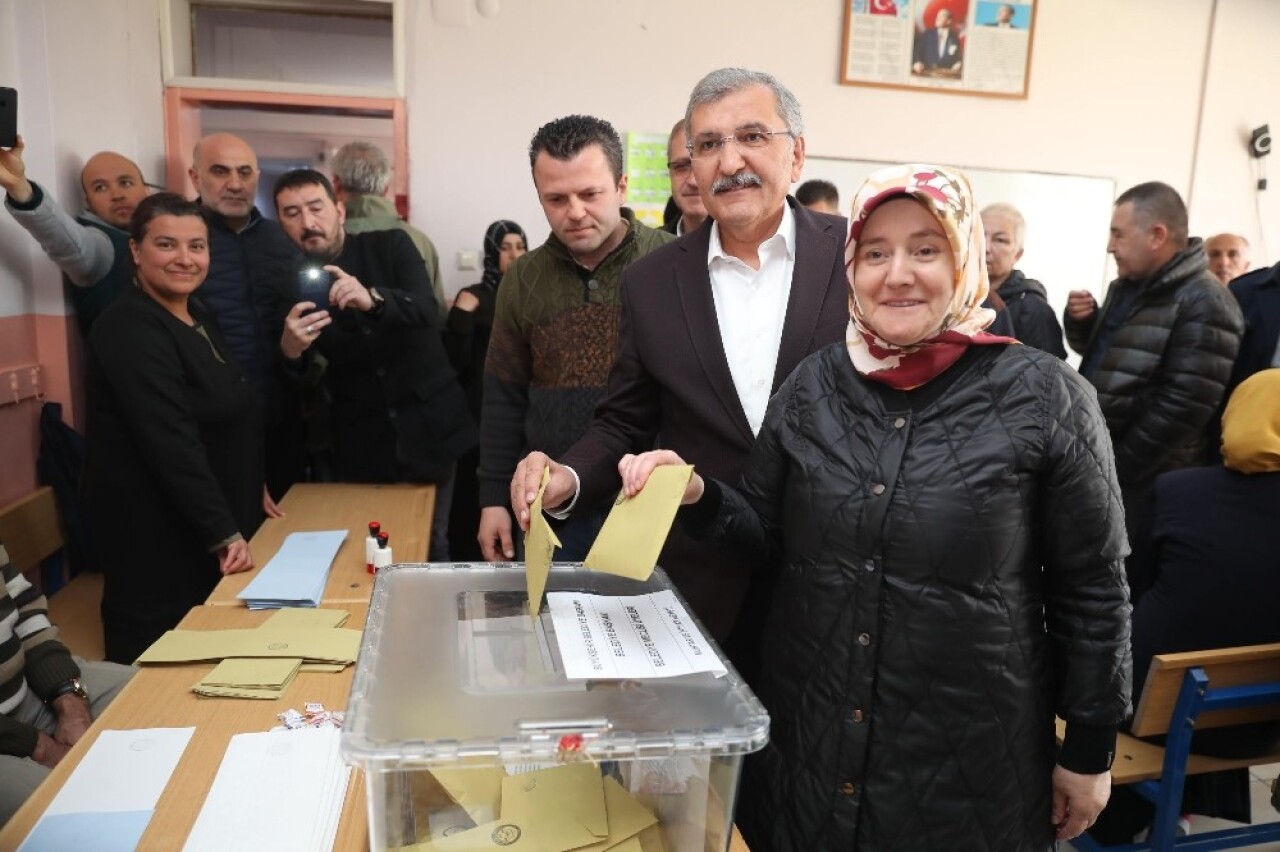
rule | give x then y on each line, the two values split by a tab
71	687
378	301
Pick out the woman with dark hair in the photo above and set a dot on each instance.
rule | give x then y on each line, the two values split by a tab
174	460
939	510
467	338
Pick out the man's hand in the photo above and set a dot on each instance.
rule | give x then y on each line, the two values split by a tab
1077	800
635	471
1081	304
269	506
528	479
466	301
495	534
74	718
234	558
347	292
301	328
48	752
13	173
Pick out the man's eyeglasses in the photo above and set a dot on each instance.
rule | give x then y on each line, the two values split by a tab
749	138
679	167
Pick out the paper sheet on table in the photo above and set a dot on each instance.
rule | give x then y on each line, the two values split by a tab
478	791
628	637
93	799
296	575
316	644
632	536
280	790
539	545
562	807
287	619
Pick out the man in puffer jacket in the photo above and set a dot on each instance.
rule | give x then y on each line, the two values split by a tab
1159	351
1026	303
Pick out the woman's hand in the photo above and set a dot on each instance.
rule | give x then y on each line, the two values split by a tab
234	558
269	507
301	328
635	471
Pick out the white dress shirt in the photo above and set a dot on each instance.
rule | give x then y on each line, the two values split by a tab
751	307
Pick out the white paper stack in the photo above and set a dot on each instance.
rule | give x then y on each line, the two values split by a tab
107	802
296	575
279	790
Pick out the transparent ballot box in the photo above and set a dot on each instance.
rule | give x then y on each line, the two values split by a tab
472	736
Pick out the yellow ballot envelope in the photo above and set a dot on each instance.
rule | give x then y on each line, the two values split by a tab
563	806
504	834
477	791
637	527
539	544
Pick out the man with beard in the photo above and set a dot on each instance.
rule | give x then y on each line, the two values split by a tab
398	414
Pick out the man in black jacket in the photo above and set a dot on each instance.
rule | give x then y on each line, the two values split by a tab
1159	351
249	261
1026	304
398	413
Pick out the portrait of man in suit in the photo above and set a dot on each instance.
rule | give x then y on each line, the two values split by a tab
938	51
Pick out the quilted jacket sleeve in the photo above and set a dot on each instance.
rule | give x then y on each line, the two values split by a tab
1086	596
1193	376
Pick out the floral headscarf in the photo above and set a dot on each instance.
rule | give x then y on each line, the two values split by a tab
946	194
1251	424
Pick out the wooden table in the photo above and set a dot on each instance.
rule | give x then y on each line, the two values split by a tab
403	510
161	697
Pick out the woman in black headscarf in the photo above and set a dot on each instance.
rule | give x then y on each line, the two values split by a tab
467	339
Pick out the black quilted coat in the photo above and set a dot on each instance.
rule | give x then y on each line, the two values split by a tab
917	651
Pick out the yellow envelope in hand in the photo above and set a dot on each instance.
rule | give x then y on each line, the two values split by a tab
637	527
563	807
539	545
502	834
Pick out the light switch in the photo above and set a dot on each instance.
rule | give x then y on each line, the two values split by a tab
468	260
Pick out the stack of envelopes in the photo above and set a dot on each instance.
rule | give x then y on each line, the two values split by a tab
296	575
570	807
262	662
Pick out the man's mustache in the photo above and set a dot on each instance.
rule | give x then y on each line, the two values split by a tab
312	232
741	180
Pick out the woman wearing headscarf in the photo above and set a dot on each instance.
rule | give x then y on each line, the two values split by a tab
466	337
1215	545
173	467
939	509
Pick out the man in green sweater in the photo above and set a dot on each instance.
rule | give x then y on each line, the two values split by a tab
48	699
361	173
555	327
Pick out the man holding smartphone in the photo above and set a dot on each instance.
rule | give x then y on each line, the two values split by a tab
92	249
398	413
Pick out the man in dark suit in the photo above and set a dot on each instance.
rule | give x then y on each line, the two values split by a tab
938	49
711	326
1258	293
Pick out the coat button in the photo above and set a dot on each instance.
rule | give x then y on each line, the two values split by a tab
593	284
381	371
857	715
870	565
864	639
877	489
391	412
367	331
899	423
848	788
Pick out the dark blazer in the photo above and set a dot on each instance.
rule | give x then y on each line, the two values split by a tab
1258	293
928	53
671	386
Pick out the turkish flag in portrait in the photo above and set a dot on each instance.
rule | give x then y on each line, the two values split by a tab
882	7
929	12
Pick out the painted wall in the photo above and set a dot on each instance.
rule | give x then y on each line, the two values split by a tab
1115	91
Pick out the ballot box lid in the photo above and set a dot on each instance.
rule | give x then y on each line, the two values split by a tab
453	671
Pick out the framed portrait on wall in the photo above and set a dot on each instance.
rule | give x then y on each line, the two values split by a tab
967	47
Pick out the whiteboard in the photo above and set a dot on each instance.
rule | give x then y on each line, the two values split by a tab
1068	219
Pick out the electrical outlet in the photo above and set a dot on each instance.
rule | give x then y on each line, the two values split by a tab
468	260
